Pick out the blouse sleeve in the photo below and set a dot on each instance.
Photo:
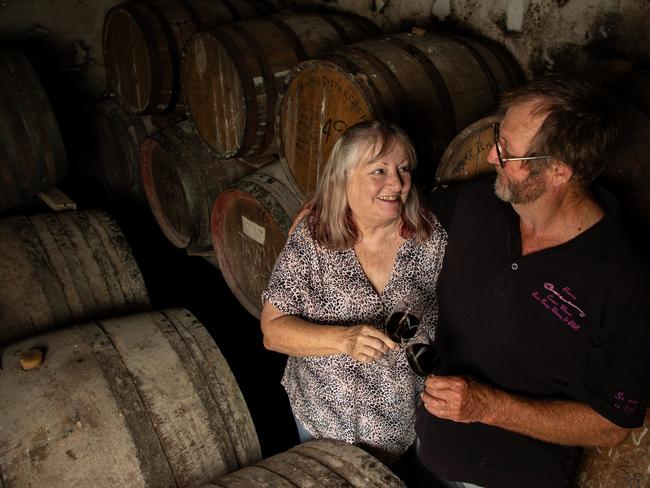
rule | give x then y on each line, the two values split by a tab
289	282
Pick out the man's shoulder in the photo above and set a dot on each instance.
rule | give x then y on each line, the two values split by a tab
445	199
474	188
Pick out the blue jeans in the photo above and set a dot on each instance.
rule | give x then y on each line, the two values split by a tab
302	432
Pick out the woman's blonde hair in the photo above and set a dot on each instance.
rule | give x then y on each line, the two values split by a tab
330	218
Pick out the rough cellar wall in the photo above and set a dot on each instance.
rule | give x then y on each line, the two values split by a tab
66	32
544	35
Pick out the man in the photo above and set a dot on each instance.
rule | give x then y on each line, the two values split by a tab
544	304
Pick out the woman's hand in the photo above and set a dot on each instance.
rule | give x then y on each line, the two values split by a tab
366	343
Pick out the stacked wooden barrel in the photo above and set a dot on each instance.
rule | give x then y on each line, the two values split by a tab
32	154
466	156
225	56
433	85
135	401
249	225
118	135
57	269
181	179
231	74
143	42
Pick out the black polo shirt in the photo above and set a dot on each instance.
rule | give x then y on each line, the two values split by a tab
570	322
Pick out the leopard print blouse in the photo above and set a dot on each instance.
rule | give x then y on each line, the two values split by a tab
336	396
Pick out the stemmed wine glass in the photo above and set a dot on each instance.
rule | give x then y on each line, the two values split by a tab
401	325
424	357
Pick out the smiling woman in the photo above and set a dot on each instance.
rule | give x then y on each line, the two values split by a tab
364	244
377	189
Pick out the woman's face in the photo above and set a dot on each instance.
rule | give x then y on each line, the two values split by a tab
377	189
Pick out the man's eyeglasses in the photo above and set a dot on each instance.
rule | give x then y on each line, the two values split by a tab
501	152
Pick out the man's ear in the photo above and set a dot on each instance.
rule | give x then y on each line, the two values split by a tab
560	172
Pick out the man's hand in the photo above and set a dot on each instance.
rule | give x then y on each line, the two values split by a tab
458	398
566	422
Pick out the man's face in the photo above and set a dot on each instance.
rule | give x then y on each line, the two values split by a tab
516	183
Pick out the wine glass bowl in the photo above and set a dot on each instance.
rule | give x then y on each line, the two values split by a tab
401	326
424	359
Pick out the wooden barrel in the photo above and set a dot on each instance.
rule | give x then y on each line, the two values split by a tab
249	226
63	268
181	179
466	156
317	463
137	401
625	465
143	41
118	135
433	85
231	74
32	155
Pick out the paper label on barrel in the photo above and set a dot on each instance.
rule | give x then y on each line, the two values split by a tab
253	230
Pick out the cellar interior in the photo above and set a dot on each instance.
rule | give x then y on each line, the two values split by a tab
65	46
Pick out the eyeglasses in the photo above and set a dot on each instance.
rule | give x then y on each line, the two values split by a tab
501	152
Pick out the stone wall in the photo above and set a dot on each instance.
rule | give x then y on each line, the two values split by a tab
544	35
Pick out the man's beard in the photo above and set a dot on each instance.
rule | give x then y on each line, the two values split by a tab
526	191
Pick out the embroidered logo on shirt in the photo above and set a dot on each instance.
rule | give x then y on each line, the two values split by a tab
561	302
625	404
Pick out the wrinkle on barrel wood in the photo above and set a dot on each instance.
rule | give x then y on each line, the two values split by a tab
232	74
433	85
141	400
62	268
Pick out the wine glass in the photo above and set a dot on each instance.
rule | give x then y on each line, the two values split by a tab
401	325
423	357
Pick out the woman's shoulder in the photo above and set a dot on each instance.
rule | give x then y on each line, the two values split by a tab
301	237
437	230
300	234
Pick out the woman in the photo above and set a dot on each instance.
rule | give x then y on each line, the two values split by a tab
364	243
